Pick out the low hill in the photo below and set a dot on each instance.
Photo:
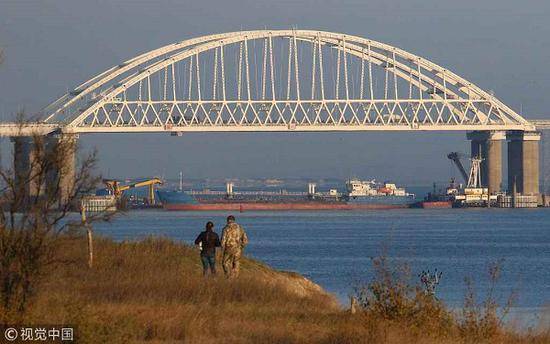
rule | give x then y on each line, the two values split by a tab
154	290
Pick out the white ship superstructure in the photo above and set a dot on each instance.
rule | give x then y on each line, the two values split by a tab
358	188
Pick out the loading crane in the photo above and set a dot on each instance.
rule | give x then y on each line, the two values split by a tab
455	157
117	189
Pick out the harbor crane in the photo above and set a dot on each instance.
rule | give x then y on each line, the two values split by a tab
117	190
455	157
472	179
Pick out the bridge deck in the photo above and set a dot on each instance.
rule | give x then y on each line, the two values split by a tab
29	129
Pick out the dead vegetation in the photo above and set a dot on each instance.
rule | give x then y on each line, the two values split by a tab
36	199
153	291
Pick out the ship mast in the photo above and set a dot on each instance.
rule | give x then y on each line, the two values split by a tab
474	180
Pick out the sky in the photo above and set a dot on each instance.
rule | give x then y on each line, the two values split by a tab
54	45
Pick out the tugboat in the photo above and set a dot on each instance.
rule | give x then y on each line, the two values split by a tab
439	200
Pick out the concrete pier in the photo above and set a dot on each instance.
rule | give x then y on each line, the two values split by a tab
523	162
488	146
65	145
29	153
26	154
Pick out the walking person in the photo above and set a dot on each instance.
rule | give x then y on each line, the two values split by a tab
208	241
234	240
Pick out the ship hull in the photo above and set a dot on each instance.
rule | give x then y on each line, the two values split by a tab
436	204
185	201
277	206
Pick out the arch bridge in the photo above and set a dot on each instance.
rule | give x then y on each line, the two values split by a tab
292	80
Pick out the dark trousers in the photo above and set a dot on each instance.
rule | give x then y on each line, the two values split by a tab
208	260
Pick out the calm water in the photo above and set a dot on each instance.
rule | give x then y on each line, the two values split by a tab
334	248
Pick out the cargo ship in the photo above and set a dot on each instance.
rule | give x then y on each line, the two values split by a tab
358	195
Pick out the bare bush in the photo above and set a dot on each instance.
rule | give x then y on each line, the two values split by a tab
389	293
36	204
481	319
393	297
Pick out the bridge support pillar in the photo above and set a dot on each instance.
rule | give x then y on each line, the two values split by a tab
488	146
65	145
523	162
29	153
26	154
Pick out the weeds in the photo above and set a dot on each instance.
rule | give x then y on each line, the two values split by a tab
392	300
392	297
480	321
153	291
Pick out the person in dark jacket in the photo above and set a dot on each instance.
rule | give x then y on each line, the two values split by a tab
208	241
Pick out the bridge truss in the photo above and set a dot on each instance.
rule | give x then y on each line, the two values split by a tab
279	80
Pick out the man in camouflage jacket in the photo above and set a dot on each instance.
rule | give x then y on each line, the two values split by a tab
234	240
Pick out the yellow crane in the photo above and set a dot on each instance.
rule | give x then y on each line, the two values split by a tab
117	189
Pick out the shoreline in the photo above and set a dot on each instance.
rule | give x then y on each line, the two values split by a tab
458	249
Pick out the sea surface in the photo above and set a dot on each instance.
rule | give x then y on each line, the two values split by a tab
335	248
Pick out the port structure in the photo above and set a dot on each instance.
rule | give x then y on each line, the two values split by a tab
455	157
117	190
291	80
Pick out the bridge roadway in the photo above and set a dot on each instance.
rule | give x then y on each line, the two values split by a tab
12	129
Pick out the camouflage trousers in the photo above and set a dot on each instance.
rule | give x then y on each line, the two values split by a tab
231	262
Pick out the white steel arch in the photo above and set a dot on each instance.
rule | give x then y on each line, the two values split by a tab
278	80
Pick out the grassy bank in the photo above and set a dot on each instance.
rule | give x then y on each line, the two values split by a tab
153	291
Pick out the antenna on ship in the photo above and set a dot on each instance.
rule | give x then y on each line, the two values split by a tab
181	181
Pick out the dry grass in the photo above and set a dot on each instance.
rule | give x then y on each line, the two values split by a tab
153	291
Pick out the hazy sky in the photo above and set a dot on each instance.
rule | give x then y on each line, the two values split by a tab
52	46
